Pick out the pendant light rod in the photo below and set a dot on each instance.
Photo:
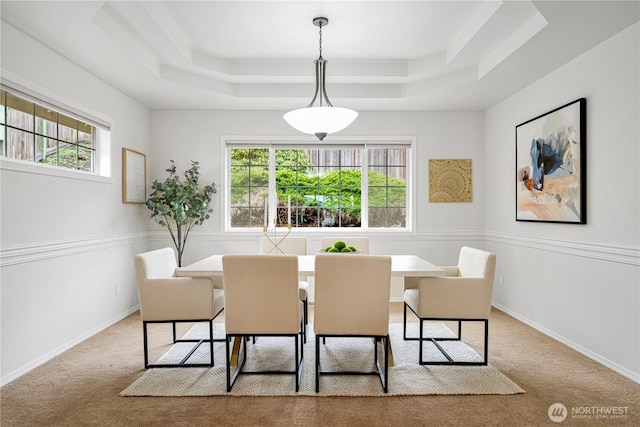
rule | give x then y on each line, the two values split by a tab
320	85
320	22
320	68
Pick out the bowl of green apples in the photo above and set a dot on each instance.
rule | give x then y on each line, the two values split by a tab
340	247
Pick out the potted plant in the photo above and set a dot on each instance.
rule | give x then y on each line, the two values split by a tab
180	205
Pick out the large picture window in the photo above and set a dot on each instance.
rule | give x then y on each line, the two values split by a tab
353	185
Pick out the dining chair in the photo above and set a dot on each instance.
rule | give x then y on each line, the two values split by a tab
463	295
165	298
361	243
290	246
352	301
262	301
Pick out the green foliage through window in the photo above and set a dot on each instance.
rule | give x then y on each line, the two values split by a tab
324	186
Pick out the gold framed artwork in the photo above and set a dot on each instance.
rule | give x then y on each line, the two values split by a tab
450	181
134	176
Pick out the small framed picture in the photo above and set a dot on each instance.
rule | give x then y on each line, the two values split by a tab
551	160
134	176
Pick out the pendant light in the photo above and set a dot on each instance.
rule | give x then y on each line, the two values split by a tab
320	117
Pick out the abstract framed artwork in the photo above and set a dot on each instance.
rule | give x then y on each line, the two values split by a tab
450	181
551	166
134	172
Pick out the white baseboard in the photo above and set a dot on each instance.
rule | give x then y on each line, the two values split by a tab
46	357
634	376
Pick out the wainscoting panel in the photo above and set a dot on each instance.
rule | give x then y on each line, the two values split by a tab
55	295
577	293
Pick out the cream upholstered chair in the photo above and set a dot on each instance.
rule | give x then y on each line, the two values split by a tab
261	299
352	300
361	243
165	298
290	246
463	295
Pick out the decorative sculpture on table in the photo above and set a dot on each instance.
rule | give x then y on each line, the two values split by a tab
275	241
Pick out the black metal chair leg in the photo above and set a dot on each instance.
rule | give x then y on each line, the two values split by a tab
305	305
197	341
420	342
404	322
382	372
145	344
317	364
211	342
486	342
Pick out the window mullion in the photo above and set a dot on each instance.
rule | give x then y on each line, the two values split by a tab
35	138
272	199
364	190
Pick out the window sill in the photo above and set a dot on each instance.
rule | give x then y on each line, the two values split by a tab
41	169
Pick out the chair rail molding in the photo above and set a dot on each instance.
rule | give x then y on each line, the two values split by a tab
40	251
602	252
462	235
451	235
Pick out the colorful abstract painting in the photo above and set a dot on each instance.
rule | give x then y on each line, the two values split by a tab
550	166
450	181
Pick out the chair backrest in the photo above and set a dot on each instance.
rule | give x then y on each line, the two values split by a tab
476	263
352	294
157	264
361	243
280	245
261	294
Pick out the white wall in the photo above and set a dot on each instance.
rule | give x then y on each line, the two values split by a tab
578	283
65	242
441	227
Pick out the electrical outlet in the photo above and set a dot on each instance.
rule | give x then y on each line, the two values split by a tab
500	281
117	288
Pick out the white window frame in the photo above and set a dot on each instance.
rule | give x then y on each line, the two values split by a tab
103	162
230	141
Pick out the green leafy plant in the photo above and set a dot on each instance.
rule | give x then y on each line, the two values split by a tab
180	205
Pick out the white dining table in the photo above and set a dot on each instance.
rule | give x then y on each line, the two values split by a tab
401	265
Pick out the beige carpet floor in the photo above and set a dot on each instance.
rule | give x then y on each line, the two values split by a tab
406	376
82	386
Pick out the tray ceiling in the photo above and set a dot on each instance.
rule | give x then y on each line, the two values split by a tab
382	55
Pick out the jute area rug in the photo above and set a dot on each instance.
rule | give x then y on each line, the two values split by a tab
406	376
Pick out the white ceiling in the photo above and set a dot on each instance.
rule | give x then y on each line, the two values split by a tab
382	55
